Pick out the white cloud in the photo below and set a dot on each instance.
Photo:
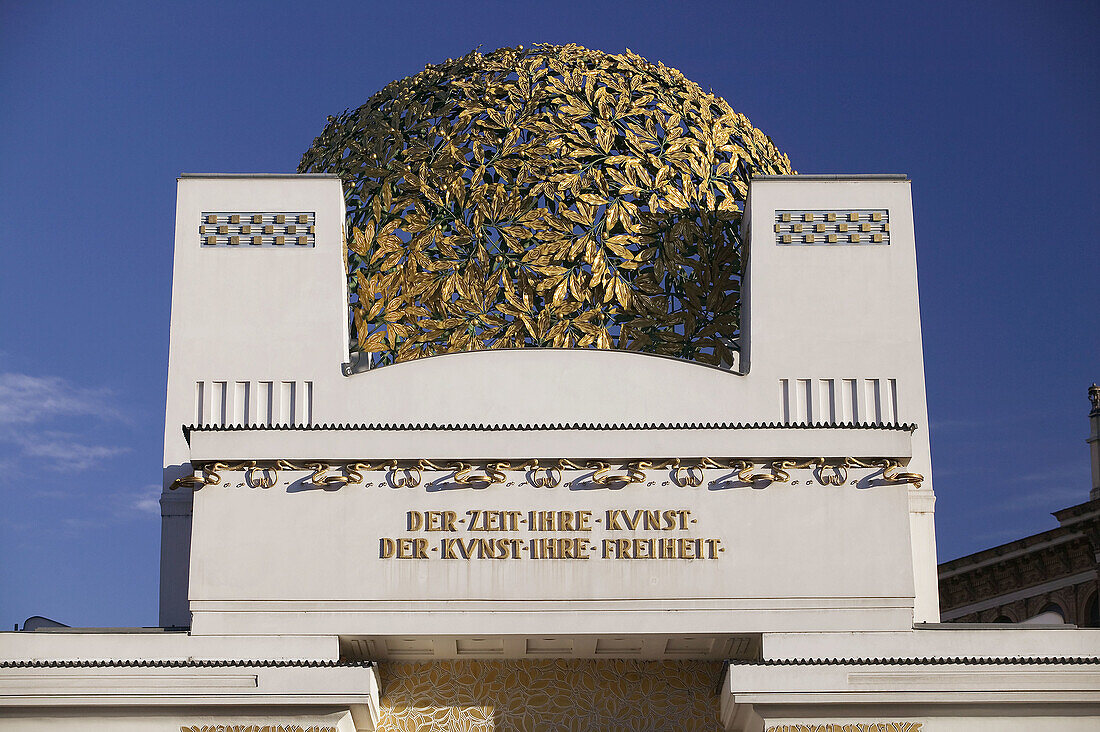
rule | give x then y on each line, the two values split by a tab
958	424
995	538
130	503
79	524
62	450
145	500
1051	476
30	405
1049	489
27	399
1050	498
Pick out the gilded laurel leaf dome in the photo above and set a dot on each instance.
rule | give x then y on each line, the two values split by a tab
549	196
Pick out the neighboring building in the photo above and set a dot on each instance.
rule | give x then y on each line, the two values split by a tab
525	537
1050	577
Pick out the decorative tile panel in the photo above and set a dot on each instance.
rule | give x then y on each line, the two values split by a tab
290	229
488	696
832	227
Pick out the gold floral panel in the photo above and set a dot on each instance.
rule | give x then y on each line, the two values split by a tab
506	696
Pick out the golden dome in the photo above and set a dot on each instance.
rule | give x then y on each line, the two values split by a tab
552	196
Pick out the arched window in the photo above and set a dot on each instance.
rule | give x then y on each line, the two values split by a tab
1055	608
1051	614
1091	617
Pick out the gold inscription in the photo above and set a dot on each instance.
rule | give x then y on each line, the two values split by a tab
403	548
589	545
479	548
556	548
255	728
661	548
432	520
669	520
493	520
559	520
855	727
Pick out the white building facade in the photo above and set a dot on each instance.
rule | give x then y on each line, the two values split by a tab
549	538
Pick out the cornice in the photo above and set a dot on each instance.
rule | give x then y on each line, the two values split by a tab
190	663
546	427
925	661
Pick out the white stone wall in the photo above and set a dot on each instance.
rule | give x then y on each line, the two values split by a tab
259	334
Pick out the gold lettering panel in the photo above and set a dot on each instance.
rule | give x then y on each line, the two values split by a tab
500	696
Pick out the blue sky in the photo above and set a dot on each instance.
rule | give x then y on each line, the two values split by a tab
990	108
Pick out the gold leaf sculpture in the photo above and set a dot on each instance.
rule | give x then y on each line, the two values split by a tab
552	196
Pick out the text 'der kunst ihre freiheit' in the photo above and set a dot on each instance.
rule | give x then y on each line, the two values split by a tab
615	533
